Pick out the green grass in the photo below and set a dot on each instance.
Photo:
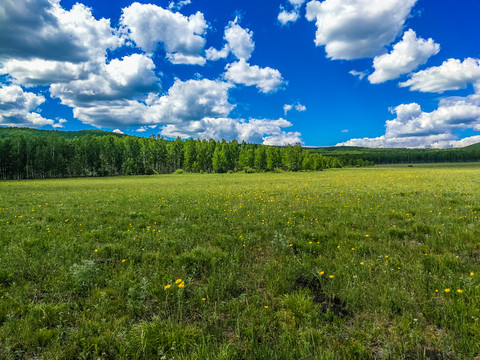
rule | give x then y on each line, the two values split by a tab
340	264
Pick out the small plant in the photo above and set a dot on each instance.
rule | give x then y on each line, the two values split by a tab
83	275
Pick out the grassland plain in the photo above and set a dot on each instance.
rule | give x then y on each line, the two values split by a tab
374	263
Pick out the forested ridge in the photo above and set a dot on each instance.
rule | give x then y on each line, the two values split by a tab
351	155
6	132
26	155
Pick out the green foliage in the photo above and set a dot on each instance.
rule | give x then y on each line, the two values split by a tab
50	155
6	132
357	156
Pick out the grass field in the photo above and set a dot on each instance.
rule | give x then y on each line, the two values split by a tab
377	263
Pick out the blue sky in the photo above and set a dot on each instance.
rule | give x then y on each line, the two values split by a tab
377	73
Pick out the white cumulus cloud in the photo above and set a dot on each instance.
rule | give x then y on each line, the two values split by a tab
453	74
414	128
239	42
46	44
286	16
177	5
17	108
68	51
353	29
270	132
287	108
283	139
45	72
184	102
42	29
265	79
182	37
406	56
191	100
299	107
214	54
128	78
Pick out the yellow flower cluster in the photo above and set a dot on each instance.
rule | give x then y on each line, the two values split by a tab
179	282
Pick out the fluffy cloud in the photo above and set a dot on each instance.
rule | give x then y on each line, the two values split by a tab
284	139
287	16
46	44
214	54
67	51
182	37
44	30
287	108
284	17
353	29
451	75
128	78
191	100
406	56
254	130
239	42
265	79
184	102
45	72
177	5
17	106
415	128
299	107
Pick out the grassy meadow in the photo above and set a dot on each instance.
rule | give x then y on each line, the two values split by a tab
372	263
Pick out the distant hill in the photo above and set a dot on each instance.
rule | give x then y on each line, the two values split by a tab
472	147
6	132
349	155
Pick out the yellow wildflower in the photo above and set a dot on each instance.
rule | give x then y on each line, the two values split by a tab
181	285
459	291
447	290
322	272
167	287
178	281
472	274
331	276
123	260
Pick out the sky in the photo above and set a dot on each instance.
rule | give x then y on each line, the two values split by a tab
374	73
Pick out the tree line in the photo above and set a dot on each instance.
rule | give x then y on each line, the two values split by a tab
54	156
349	156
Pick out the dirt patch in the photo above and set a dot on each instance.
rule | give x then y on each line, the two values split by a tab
332	303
